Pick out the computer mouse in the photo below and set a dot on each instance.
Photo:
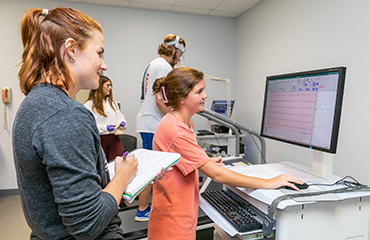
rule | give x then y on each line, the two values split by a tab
299	186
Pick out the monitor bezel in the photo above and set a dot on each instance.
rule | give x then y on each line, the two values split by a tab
337	112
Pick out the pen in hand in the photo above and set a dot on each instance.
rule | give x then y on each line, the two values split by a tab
124	156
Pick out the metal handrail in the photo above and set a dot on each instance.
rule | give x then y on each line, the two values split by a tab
234	126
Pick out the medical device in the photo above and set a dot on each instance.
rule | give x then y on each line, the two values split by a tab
304	108
220	107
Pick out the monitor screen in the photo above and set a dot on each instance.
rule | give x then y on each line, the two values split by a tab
304	108
220	107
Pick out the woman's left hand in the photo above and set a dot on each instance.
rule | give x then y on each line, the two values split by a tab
161	174
218	161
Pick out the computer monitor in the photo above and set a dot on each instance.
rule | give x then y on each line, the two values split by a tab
220	107
304	108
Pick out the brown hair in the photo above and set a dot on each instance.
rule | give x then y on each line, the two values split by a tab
97	97
177	84
163	49
42	38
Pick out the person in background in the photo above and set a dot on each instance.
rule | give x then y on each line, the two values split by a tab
175	200
108	117
153	109
61	170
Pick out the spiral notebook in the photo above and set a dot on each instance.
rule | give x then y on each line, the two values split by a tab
150	163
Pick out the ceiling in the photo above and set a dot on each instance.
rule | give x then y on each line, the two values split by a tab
220	8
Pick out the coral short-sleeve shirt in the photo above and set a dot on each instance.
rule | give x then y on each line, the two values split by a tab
175	201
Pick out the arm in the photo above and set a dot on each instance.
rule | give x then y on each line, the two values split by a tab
189	149
77	174
218	161
160	104
228	177
125	171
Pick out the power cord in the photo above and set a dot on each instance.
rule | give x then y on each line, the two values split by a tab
209	123
258	148
342	181
351	186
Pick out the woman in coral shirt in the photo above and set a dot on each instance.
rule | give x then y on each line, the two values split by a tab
175	200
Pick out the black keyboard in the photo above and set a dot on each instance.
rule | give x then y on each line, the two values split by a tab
236	210
203	132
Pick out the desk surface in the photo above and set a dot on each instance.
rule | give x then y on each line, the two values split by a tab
268	171
266	196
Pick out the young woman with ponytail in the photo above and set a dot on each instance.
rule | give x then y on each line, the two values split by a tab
61	169
175	201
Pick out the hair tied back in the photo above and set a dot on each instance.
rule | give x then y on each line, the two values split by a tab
45	12
165	100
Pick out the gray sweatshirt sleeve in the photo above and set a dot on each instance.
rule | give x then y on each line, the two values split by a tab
73	160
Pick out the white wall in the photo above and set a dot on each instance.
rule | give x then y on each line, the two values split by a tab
283	36
274	37
131	40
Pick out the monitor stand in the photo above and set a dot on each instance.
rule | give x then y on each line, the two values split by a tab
322	163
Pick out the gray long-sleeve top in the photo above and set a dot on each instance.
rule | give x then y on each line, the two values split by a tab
61	169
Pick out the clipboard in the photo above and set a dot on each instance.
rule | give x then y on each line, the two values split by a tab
150	163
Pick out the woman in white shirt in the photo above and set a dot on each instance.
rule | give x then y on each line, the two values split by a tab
108	117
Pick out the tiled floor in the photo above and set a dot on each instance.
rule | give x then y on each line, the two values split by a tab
13	225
